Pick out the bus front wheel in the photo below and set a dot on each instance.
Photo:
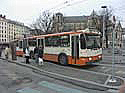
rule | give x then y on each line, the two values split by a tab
63	59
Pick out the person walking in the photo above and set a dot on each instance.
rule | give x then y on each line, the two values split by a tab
27	55
40	55
8	52
122	89
36	54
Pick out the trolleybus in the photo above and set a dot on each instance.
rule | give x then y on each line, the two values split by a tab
81	47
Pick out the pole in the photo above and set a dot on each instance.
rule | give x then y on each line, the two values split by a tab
103	31
106	23
103	39
113	57
75	46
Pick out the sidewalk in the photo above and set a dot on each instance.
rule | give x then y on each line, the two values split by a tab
82	77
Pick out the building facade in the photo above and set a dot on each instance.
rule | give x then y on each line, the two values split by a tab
93	21
10	30
118	32
70	23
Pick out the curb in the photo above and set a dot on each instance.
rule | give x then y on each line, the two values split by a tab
75	81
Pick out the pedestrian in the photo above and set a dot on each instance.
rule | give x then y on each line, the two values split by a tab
40	55
122	89
8	52
36	54
1	48
27	55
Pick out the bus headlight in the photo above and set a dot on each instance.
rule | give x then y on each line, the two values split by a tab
100	56
90	58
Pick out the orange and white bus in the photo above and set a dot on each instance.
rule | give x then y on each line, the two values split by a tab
78	48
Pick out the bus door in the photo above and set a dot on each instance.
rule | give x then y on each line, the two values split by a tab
40	42
75	49
19	49
25	44
20	44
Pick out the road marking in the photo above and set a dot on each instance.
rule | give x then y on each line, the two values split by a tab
107	70
103	67
27	90
113	91
120	72
59	88
107	80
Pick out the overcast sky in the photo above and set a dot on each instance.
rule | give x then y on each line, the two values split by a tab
27	11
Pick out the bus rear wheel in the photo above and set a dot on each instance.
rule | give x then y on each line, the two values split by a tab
63	59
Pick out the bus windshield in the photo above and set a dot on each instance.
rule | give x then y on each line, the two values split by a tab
92	41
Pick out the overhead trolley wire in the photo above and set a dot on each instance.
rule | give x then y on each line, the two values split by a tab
65	4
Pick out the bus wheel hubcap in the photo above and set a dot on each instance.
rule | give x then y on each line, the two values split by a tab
62	59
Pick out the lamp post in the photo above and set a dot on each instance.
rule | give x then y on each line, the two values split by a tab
103	40
113	57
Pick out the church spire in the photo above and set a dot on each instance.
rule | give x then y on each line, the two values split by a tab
93	14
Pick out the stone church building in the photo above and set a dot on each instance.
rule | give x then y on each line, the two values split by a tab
63	23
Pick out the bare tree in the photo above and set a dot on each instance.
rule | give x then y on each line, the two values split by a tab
35	30
43	23
108	14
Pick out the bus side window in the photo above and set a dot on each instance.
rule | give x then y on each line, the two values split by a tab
65	41
82	41
47	41
32	42
42	42
39	42
58	41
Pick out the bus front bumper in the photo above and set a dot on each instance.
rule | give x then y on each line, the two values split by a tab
92	63
94	59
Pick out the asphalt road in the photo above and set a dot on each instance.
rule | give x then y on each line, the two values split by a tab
119	57
18	79
105	65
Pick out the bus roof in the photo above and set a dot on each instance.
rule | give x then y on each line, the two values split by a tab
86	31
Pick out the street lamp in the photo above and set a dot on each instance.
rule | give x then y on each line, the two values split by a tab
113	74
113	57
104	7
